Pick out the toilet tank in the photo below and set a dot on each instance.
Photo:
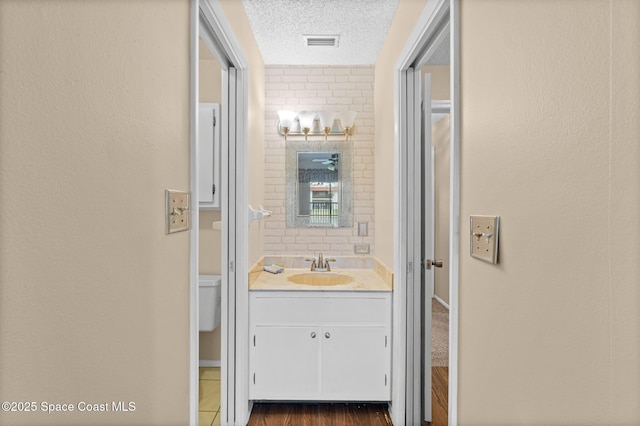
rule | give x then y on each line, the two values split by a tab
209	296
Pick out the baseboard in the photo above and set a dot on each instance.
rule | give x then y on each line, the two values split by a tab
391	413
442	302
209	363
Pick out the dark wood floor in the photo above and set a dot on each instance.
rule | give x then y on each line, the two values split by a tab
320	415
340	414
439	396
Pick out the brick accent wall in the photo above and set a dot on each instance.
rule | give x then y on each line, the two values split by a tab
316	88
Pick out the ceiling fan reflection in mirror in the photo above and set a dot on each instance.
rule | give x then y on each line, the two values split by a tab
329	162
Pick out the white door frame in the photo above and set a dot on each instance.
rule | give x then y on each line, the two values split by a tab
217	33
407	258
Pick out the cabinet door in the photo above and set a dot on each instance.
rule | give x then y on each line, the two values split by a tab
208	155
355	363
284	363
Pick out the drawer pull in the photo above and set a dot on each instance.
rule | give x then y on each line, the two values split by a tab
327	335
313	334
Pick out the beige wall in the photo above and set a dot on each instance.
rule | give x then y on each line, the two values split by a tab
407	13
209	76
94	125
237	17
317	88
440	81
210	244
550	131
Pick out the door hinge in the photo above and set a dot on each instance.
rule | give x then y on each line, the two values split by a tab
232	266
385	379
410	267
214	119
254	340
213	189
385	341
254	378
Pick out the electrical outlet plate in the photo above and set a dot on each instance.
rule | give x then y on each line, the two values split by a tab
484	238
361	249
177	211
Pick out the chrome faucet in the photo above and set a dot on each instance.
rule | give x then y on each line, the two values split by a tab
322	265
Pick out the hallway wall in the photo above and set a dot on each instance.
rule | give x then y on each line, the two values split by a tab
94	125
550	130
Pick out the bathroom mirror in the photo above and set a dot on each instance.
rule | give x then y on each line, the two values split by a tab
319	184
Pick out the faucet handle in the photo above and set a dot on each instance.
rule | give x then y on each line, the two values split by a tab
313	262
328	265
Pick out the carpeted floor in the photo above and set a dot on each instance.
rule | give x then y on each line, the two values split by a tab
439	335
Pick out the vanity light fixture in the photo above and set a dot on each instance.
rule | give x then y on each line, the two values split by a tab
306	121
311	123
347	119
326	121
286	121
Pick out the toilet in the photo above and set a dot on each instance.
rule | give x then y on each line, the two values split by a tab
210	297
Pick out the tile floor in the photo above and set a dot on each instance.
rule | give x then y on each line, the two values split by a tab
209	404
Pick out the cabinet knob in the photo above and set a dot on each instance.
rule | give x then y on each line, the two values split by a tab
327	335
313	334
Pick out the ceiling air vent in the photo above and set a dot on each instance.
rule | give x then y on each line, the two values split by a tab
321	40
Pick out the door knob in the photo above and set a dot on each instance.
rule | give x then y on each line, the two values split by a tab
428	263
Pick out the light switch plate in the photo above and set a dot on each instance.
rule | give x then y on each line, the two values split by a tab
177	211
484	237
363	229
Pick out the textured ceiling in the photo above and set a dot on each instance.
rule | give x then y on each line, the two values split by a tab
279	26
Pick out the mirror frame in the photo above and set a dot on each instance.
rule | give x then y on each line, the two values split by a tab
345	176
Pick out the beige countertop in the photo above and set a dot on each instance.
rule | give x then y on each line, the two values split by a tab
363	280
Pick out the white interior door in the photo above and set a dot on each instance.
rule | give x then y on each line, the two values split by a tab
428	249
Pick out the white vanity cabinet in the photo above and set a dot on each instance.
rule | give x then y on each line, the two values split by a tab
209	155
284	362
320	346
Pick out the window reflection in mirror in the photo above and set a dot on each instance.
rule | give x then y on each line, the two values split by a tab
319	185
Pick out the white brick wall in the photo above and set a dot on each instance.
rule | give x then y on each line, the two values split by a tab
316	88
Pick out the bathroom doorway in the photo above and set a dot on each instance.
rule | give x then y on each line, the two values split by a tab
438	26
223	228
210	86
435	263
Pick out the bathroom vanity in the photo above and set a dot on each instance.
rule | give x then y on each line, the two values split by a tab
320	342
